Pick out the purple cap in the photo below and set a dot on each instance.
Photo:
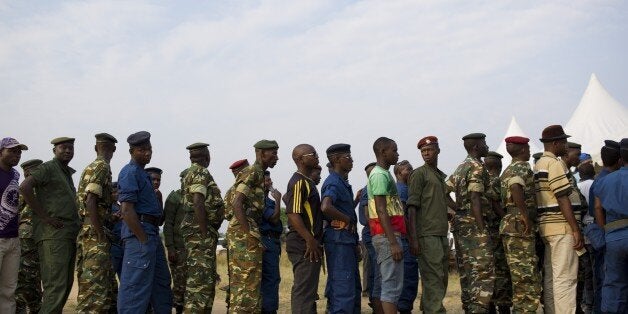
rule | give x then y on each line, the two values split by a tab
9	142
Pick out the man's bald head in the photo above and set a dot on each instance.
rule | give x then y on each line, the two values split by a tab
302	149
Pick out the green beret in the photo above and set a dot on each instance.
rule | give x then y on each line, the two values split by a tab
474	136
31	164
494	155
61	140
537	156
266	144
574	145
105	138
183	173
195	146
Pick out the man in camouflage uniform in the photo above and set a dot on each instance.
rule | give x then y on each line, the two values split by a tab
518	227
28	292
502	292
204	212
177	257
95	273
245	205
473	244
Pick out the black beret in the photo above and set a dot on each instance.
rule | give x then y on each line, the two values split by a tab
31	163
61	140
474	136
372	164
139	138
611	144
338	149
154	170
623	144
197	146
105	137
537	156
574	145
494	155
266	144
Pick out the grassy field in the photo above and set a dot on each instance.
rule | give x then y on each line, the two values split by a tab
452	300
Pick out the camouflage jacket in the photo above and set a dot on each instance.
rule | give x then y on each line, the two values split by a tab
26	219
470	176
518	172
173	215
249	182
95	179
199	180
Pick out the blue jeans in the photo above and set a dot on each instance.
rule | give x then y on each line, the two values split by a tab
270	274
343	280
410	278
145	277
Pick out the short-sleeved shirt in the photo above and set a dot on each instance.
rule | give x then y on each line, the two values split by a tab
135	186
57	195
551	182
9	207
428	194
340	192
470	176
364	202
250	183
199	180
173	215
611	190
381	183
267	225
95	179
518	172
302	198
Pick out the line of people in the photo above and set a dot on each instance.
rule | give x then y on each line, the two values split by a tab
503	227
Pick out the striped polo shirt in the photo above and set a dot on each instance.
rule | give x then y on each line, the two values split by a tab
551	181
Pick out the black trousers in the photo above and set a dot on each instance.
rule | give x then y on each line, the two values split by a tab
305	285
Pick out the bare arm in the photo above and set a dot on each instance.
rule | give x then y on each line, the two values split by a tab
28	192
312	249
198	202
274	218
565	207
91	203
384	220
132	221
476	209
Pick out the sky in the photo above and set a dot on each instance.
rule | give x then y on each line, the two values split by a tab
230	73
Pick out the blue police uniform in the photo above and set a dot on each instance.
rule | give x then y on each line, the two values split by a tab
612	192
145	277
368	243
117	249
343	289
598	255
410	263
271	234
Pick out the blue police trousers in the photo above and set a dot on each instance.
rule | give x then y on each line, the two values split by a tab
270	274
344	290
410	279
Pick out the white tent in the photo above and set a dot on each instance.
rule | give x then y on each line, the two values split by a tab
598	117
514	130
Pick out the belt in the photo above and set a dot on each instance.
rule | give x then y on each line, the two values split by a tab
616	224
272	234
153	220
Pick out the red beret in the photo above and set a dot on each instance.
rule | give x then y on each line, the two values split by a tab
426	141
238	164
517	140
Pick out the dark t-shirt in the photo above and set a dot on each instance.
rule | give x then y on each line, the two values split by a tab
302	198
9	205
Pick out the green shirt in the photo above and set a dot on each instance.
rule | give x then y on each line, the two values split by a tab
57	195
173	215
428	193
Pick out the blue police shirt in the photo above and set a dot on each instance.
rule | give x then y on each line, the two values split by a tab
267	225
364	201
117	227
341	194
135	186
402	189
601	175
611	191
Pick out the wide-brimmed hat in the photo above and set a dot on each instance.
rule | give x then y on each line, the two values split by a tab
553	133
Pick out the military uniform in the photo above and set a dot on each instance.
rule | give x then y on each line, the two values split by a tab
28	292
173	215
95	274
473	246
245	250
519	247
201	250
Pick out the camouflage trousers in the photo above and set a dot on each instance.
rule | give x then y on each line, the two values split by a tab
28	291
200	284
245	269
502	291
526	280
178	270
475	264
97	286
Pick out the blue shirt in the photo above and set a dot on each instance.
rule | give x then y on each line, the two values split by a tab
266	224
135	186
611	190
600	175
402	189
117	227
339	191
364	201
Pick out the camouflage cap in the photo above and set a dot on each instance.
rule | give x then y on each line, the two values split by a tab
154	170
183	173
9	142
574	145
197	145
474	136
266	144
61	140
105	138
138	138
31	164
494	155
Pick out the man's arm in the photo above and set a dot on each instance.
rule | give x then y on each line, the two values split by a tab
476	209
274	218
328	208
239	213
132	221
600	215
28	192
384	220
91	202
565	207
516	190
411	234
198	202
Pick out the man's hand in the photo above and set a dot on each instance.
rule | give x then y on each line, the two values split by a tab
577	240
54	222
396	250
415	249
172	256
276	195
526	224
312	250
